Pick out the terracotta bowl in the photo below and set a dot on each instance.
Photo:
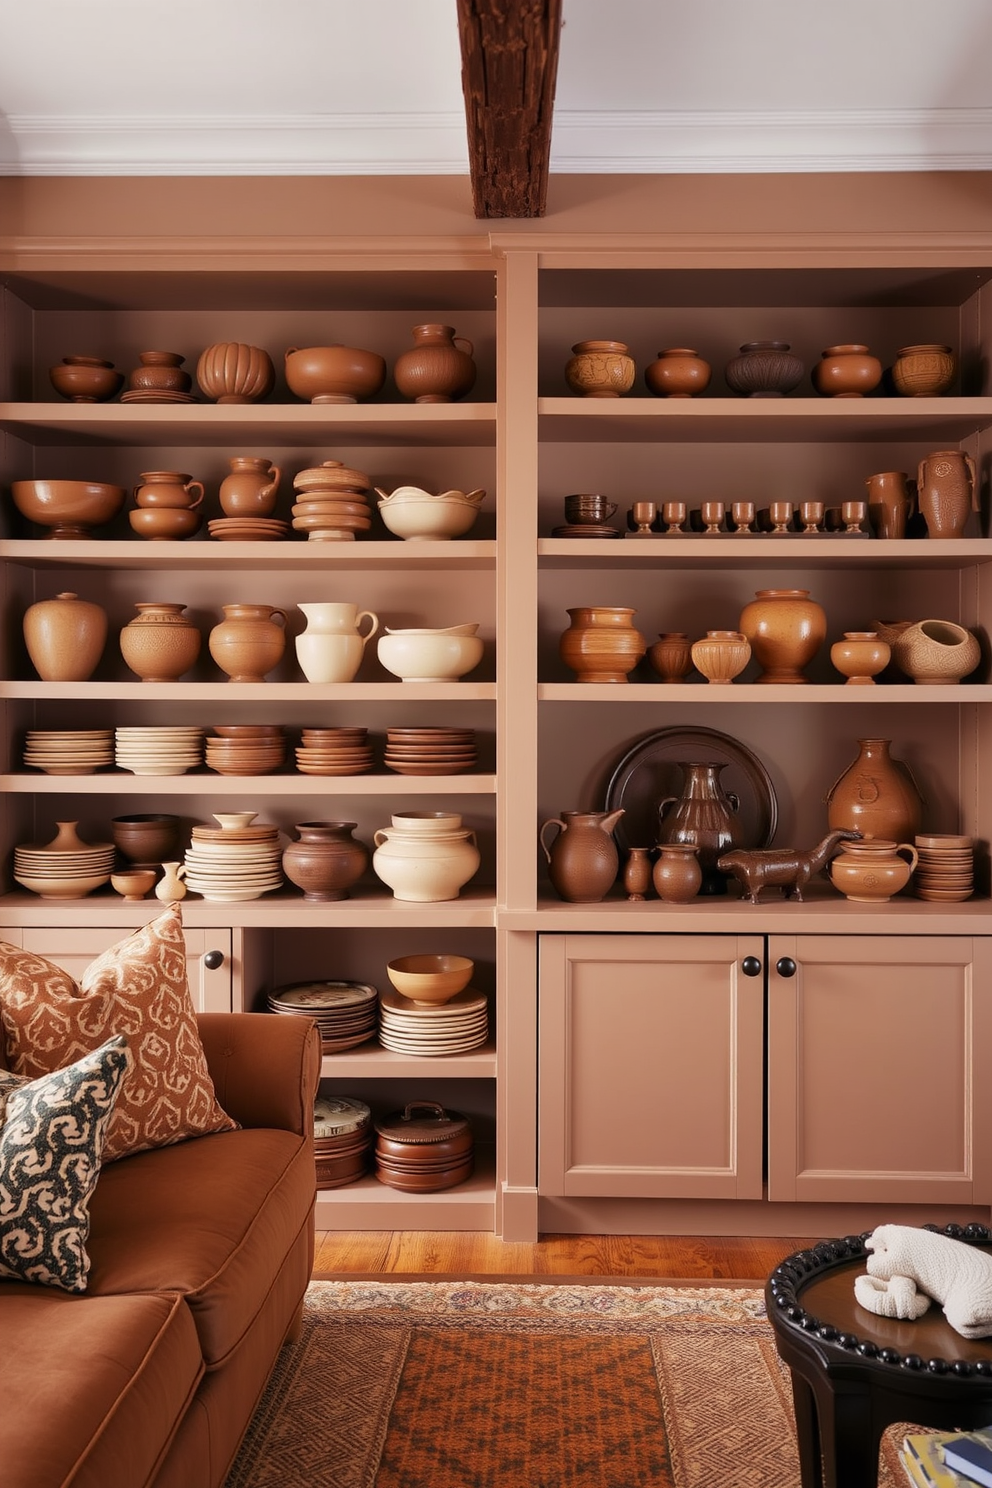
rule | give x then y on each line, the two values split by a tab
84	379
69	507
334	374
430	979
147	838
134	883
164	523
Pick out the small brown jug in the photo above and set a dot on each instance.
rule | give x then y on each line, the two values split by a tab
251	488
249	641
583	858
438	368
168	488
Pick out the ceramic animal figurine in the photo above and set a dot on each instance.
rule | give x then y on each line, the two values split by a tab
780	867
907	1267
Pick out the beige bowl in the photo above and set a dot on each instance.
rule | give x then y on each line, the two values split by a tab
431	518
63	888
69	507
429	656
430	979
133	884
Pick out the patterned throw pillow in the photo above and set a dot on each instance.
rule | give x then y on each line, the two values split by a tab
137	988
52	1132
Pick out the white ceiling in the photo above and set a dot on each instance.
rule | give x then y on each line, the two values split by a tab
346	87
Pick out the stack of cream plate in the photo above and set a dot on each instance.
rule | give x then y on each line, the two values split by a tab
234	861
159	751
69	751
334	751
345	1012
451	1027
945	873
56	873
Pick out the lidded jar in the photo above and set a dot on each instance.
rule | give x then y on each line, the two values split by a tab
326	861
600	644
249	641
425	856
438	367
251	488
582	857
786	629
65	637
846	372
764	369
160	643
876	796
678	372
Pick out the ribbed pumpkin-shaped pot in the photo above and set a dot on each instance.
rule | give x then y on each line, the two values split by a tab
326	861
231	372
438	368
601	645
65	637
160	643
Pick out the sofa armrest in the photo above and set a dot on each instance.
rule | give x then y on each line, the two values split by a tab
265	1069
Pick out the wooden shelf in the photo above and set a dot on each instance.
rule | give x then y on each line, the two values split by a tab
193	784
261	693
371	1205
372	1062
248	556
751	694
736	553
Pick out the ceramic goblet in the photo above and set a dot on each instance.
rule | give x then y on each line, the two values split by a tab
742	515
712	513
811	515
642	514
780	514
674	514
853	514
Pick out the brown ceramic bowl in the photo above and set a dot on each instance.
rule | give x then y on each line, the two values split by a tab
430	978
84	379
334	374
147	838
69	507
164	523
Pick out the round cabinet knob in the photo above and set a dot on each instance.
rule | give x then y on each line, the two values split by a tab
212	960
785	966
751	966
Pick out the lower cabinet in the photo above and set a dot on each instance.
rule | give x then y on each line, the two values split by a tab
809	1068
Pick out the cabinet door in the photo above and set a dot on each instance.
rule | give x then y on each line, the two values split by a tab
874	1075
651	1063
74	949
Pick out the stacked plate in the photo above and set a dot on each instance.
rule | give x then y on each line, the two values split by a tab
945	872
334	751
248	529
430	751
155	395
235	861
345	1012
63	872
447	1028
246	748
69	751
331	502
158	751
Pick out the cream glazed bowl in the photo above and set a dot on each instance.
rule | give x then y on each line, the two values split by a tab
422	655
417	516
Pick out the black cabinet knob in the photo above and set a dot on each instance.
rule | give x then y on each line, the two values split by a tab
213	959
751	966
785	966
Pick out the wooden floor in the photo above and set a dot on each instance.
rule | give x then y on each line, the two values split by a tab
345	1253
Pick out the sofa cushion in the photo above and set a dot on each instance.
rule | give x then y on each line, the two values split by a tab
138	988
212	1218
52	1132
93	1388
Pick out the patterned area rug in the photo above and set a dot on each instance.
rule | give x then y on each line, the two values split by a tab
487	1385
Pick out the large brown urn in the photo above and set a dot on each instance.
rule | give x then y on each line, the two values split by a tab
438	367
786	629
326	861
876	796
65	637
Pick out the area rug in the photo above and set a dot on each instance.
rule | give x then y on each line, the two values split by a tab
473	1384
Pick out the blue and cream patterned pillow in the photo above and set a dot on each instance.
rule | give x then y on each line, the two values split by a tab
52	1131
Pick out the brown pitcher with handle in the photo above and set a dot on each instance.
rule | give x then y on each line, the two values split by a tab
582	860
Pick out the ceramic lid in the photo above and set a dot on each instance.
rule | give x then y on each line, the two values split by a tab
334	1115
423	1121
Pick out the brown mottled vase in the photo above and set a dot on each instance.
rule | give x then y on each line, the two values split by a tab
923	371
859	656
676	875
946	492
786	629
160	643
160	372
171	488
600	369
871	872
721	655
326	861
438	367
671	655
251	488
249	641
889	503
582	858
678	372
876	795
637	873
231	372
705	817
65	637
846	372
600	644
764	369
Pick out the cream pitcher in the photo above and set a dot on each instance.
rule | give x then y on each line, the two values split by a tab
333	644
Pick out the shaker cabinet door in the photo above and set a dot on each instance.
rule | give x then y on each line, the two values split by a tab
210	977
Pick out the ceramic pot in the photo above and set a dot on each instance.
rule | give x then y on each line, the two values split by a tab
168	488
679	372
600	644
876	795
160	372
249	641
671	655
600	369
438	368
936	652
721	655
705	817
676	875
164	523
334	374
923	371
326	861
859	656
160	643
231	372
637	873
889	503
764	369
846	372
871	872
65	637
332	646
786	629
946	492
86	379
170	886
425	857
147	839
70	508
582	858
251	488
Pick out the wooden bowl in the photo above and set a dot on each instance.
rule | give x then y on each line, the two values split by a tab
69	507
430	979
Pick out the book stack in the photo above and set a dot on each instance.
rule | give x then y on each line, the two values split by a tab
951	1459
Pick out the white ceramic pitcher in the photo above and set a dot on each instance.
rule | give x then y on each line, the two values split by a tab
332	646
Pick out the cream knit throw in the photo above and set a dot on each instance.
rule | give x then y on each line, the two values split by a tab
906	1267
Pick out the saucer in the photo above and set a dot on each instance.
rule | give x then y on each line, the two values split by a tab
146	395
584	529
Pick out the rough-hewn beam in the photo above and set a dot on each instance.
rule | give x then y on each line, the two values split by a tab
509	66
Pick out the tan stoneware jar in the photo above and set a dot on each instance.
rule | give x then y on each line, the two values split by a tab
721	655
676	875
425	857
871	872
847	372
326	861
923	371
786	629
438	368
600	369
249	641
946	492
678	372
671	655
936	653
334	374
764	369
86	379
876	795
582	857
859	656
890	503
233	372
251	488
160	372
169	488
161	643
65	637
600	644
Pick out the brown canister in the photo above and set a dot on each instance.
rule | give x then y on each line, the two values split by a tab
423	1148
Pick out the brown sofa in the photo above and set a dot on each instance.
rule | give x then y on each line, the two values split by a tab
200	1253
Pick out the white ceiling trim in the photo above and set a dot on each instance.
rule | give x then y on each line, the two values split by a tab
618	142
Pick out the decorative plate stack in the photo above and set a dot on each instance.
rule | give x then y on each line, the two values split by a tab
342	1140
246	748
452	1027
69	751
945	872
158	751
430	751
334	751
65	868
248	529
331	502
235	861
345	1012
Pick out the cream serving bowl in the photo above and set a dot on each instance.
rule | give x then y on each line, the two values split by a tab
430	655
417	516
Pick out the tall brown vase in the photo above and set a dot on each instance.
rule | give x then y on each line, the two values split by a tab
947	492
876	795
601	645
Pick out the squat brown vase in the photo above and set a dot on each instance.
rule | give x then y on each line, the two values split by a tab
65	637
846	372
679	372
160	372
601	645
249	641
676	875
786	629
438	367
160	643
326	861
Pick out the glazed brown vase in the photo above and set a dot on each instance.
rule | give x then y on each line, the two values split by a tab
671	655
876	796
438	368
786	629
160	372
846	372
251	488
232	372
705	817
582	858
637	873
65	637
947	492
600	644
678	372
871	872
889	503
764	369
676	875
249	641
326	861
160	643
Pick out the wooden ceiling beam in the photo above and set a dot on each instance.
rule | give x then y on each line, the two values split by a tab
509	68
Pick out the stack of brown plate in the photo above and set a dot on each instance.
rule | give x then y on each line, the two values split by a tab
334	751
342	1140
152	750
234	861
945	872
345	1012
423	1148
155	395
69	751
430	751
248	529
452	1027
331	502
246	748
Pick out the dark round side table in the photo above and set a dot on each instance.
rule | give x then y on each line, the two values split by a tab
854	1374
